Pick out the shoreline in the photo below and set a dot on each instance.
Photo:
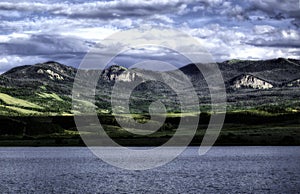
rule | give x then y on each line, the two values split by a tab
125	143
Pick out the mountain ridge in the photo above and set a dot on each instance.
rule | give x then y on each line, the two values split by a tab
275	81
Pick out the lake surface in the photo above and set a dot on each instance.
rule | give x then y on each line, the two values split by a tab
221	170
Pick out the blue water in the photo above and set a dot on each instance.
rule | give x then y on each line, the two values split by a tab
221	170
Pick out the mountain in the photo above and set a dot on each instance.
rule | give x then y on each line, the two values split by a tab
42	71
51	76
275	71
46	88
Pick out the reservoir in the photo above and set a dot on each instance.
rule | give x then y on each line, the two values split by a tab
222	170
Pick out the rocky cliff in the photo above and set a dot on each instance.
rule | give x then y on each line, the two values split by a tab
250	81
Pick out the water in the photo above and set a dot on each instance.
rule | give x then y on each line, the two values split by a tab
222	170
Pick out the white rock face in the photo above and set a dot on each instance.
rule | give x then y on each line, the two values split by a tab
249	81
53	75
40	71
118	73
126	76
295	83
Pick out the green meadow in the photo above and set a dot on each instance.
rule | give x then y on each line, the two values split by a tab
40	118
240	128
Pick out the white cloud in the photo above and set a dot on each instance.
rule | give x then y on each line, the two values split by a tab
4	38
290	34
163	18
263	29
3	60
9	61
90	33
226	43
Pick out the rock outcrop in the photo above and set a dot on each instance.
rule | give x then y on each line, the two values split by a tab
115	72
250	81
295	83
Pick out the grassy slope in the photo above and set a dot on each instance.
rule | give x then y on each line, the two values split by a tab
52	96
18	110
12	101
19	102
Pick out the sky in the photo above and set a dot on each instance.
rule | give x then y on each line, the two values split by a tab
64	31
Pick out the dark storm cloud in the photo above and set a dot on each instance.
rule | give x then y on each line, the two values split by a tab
100	10
275	43
277	9
44	45
274	37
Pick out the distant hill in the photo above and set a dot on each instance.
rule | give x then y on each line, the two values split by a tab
46	88
42	71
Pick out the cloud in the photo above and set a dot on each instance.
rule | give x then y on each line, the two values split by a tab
275	43
277	9
36	48
262	42
44	45
277	38
264	29
138	55
9	61
43	30
98	9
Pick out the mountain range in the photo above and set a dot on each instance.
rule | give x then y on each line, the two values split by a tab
46	88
